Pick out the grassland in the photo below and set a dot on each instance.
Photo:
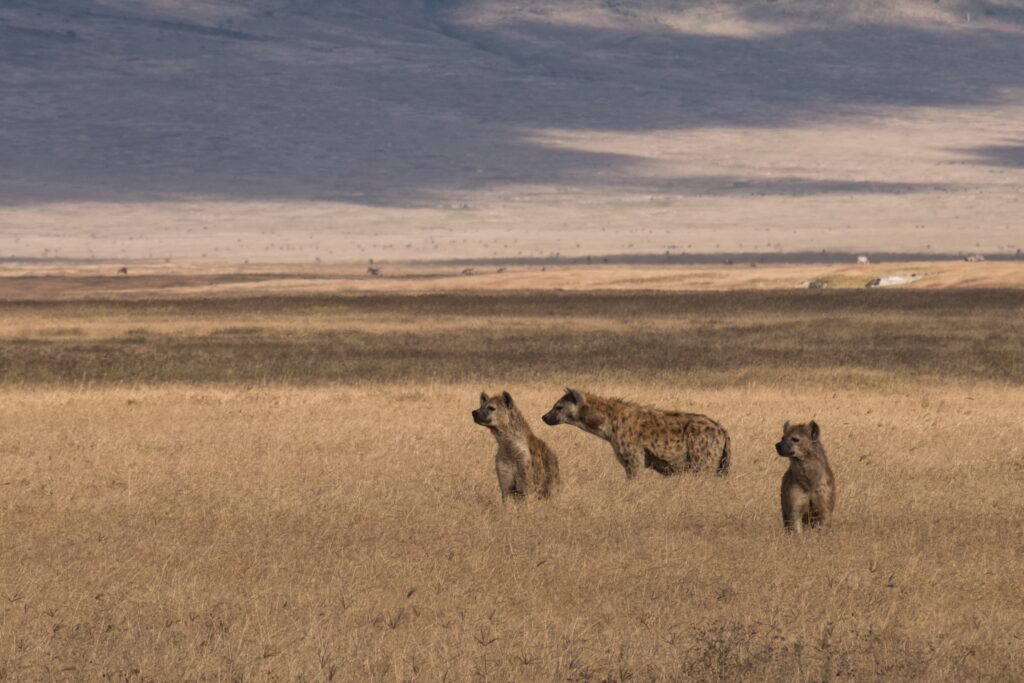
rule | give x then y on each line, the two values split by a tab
291	488
54	280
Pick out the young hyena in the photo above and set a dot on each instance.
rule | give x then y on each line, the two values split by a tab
525	464
667	442
808	487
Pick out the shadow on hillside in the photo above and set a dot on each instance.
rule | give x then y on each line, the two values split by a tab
1011	155
400	108
729	186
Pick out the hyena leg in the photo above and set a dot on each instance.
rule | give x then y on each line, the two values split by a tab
794	508
793	521
619	456
523	474
506	478
818	514
632	459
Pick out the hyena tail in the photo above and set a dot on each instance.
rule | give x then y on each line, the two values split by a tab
724	461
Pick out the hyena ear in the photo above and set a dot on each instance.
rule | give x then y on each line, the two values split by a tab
815	430
574	396
484	398
507	397
785	427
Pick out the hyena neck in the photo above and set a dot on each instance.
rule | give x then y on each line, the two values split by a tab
596	415
812	466
517	432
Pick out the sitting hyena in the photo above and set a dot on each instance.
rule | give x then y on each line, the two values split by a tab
525	464
667	442
808	487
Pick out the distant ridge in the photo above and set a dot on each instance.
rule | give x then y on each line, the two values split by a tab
733	258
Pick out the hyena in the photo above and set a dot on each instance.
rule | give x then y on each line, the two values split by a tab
808	487
525	465
666	442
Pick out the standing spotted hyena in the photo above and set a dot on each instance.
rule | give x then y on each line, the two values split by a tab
808	487
525	464
667	442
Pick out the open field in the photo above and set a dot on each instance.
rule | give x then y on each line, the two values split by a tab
291	488
56	281
249	458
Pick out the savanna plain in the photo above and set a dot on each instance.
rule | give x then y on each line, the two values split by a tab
292	488
245	459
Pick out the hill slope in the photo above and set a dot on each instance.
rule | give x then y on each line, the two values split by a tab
293	130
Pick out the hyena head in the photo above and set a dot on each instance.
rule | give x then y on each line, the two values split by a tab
495	412
566	410
799	441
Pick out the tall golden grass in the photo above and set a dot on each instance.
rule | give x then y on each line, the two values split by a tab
293	489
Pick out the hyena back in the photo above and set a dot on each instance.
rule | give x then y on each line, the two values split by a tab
667	442
525	465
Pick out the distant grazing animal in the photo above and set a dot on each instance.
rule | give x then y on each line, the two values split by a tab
808	487
524	464
862	260
374	272
122	270
468	271
668	442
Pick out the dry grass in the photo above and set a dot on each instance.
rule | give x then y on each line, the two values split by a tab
37	281
179	516
698	338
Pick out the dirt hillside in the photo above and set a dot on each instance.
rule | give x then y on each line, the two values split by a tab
273	131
